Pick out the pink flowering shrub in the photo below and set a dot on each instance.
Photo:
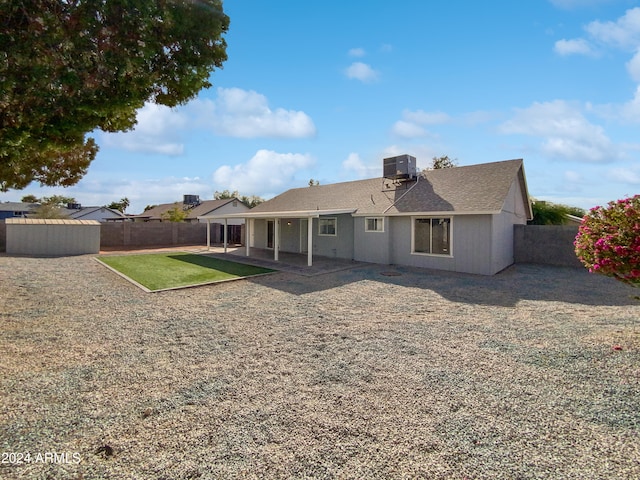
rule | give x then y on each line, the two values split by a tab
608	240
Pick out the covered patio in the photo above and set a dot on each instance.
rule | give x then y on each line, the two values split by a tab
277	218
287	262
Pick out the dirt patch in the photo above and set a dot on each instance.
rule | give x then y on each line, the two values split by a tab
352	374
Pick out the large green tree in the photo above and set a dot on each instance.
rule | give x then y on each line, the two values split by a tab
68	67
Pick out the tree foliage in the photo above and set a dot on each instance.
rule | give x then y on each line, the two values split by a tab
548	213
249	200
30	199
48	210
121	206
53	200
443	162
70	67
176	214
608	240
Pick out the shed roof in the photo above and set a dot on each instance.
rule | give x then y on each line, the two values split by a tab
49	221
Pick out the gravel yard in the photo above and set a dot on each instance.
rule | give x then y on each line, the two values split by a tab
372	372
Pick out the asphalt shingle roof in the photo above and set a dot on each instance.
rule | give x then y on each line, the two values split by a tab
473	188
205	207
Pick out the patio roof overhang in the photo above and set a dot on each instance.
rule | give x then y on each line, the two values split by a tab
277	216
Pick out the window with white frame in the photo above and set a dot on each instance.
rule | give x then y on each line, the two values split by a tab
327	226
432	236
374	224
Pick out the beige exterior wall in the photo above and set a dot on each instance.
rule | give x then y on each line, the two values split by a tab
49	237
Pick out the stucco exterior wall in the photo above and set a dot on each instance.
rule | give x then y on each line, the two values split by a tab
48	237
339	246
471	245
374	247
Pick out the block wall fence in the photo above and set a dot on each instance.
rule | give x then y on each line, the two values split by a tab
544	244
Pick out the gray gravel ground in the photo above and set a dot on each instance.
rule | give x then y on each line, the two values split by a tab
533	373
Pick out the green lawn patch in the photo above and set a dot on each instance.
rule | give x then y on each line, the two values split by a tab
160	271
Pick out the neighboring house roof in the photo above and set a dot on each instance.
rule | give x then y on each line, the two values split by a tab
17	206
203	208
479	188
104	212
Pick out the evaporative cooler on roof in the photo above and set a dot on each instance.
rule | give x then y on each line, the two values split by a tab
402	167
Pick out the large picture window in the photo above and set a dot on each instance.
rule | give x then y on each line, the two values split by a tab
432	236
327	226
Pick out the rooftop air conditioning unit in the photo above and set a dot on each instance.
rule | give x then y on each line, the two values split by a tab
402	167
191	200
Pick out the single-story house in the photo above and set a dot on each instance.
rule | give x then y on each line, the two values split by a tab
16	209
197	209
458	219
75	211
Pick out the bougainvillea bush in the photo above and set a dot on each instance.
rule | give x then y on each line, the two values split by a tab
608	240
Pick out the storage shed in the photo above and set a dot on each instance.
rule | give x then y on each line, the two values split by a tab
52	237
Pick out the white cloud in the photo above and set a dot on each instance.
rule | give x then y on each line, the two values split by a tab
246	114
426	118
630	176
633	67
412	123
630	111
94	191
268	173
361	71
354	164
576	46
406	129
573	176
157	131
564	131
623	33
357	52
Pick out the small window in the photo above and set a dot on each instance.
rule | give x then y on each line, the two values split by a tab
432	236
327	226
374	224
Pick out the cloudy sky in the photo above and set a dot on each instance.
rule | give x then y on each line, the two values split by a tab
326	90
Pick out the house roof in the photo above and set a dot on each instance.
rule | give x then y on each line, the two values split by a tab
469	189
17	206
203	208
78	213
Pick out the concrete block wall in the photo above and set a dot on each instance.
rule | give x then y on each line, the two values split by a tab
148	234
3	236
546	244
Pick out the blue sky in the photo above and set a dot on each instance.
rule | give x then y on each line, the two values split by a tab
326	90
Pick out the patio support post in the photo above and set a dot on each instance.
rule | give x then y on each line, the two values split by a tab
310	241
225	235
208	234
276	238
247	235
